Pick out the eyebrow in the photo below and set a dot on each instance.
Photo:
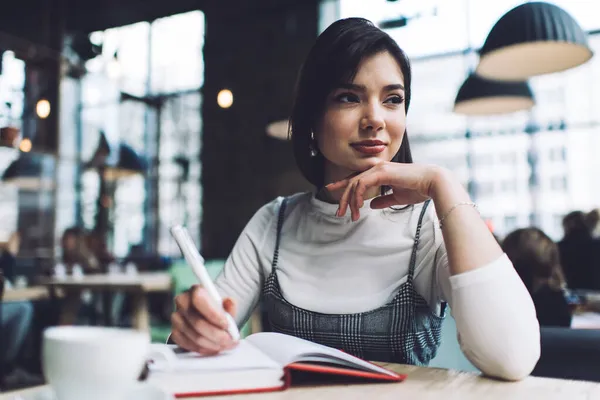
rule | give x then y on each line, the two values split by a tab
363	88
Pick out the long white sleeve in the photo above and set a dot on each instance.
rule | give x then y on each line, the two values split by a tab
495	317
243	274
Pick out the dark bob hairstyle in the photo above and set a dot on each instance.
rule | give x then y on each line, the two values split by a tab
332	61
535	257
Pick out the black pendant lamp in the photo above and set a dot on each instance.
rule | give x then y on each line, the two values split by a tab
532	39
30	172
116	161
129	163
480	96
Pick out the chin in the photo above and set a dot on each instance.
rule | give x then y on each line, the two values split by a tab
367	163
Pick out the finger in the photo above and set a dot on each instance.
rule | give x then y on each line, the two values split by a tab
361	187
337	185
205	329
344	201
399	197
182	301
355	209
230	306
202	303
191	337
359	194
231	346
184	342
383	202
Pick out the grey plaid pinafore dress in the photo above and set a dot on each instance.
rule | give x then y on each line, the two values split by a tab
405	330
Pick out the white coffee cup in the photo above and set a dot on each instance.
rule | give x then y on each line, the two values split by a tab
93	363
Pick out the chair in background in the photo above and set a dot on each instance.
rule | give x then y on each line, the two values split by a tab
569	354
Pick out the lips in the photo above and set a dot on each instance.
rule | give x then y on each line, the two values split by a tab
369	147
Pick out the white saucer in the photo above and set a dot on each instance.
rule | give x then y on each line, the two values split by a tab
141	391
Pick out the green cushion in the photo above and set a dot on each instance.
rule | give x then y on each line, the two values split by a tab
160	333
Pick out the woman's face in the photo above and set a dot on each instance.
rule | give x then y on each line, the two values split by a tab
364	121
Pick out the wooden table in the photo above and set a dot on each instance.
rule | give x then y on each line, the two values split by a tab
138	286
422	383
31	293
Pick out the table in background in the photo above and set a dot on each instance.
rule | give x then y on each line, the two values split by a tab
138	286
422	383
31	293
586	320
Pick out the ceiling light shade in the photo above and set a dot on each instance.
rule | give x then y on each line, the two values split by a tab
117	161
129	163
533	39
480	96
29	172
279	129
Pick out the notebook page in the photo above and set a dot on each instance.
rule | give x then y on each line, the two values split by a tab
286	349
244	356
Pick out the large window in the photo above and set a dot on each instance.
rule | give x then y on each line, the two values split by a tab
12	80
515	177
143	90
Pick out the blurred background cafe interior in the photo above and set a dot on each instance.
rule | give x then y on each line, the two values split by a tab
120	119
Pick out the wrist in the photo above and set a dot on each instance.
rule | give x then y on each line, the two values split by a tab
446	189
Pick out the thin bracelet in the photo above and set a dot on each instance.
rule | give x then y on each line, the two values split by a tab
463	203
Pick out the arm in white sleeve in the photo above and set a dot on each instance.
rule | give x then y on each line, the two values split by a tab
244	271
495	317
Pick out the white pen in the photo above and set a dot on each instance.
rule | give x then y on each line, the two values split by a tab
196	262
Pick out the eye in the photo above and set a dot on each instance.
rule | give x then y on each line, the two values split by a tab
394	99
347	98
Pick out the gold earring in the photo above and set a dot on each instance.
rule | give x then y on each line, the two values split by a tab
312	145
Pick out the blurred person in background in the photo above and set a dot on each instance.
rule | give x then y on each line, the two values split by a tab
16	318
8	254
536	259
75	251
96	243
592	220
580	252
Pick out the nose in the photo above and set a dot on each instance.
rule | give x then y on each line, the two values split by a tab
373	119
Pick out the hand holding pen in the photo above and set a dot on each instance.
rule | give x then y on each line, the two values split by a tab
202	321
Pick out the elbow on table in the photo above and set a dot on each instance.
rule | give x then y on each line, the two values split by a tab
508	362
511	366
519	368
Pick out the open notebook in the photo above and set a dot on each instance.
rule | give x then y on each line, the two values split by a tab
261	362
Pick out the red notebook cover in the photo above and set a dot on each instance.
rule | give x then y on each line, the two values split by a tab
319	369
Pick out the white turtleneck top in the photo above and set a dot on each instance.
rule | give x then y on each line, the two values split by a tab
332	265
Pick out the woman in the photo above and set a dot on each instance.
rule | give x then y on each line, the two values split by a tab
536	259
360	264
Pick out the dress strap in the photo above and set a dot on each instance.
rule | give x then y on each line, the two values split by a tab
279	226
413	256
